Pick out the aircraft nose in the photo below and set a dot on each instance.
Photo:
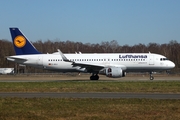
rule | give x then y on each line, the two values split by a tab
172	65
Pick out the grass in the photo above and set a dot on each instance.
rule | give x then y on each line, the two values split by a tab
88	109
89	86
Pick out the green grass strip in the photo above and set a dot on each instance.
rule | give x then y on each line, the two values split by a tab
88	109
96	86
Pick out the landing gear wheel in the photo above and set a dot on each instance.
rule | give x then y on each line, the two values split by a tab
94	77
151	78
97	77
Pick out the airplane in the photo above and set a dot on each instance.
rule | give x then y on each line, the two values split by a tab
113	65
6	70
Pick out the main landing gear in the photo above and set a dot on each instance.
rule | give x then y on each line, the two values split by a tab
151	77
94	77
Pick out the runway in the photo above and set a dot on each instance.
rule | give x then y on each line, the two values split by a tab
49	78
81	78
92	95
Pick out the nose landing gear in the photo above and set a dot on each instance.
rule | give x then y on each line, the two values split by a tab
151	76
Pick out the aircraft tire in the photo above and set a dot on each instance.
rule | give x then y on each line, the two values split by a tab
151	78
96	77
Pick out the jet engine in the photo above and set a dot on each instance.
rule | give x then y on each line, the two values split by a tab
114	72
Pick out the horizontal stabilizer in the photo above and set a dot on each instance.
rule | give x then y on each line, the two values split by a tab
13	58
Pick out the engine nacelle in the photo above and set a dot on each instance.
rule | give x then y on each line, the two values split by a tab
114	72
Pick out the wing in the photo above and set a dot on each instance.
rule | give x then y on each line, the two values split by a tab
88	66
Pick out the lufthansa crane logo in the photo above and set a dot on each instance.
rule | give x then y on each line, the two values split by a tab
19	41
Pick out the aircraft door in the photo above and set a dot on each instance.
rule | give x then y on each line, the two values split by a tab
151	59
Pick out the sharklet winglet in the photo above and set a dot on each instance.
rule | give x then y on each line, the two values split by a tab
63	56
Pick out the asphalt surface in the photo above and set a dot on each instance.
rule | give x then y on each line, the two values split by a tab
93	95
83	78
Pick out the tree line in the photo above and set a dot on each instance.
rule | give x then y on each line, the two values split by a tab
171	50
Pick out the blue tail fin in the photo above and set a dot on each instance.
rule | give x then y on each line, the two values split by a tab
22	45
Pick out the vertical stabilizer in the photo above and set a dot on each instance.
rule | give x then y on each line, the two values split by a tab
22	45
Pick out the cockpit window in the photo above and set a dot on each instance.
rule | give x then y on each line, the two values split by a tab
163	59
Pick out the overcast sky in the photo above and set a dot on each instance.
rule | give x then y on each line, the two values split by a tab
93	21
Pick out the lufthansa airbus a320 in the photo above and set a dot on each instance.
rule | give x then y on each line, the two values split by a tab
114	65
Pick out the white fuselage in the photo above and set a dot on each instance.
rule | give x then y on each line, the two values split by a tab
129	62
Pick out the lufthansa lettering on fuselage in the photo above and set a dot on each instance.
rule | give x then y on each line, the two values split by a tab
132	56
